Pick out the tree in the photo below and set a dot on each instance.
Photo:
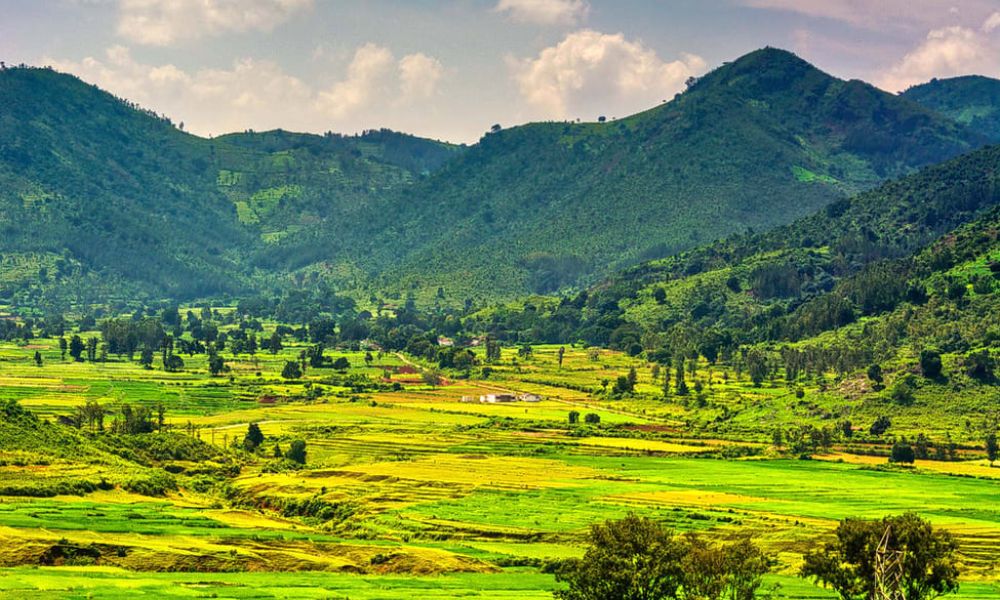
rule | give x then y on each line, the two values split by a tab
297	452
216	365
756	366
574	417
341	364
146	357
659	295
630	559
880	426
62	347
979	365
734	571
682	388
592	418
76	348
902	453
253	438
875	374
848	564
930	363
291	370
431	377
992	449
561	354
173	364
274	345
38	358
903	389
492	350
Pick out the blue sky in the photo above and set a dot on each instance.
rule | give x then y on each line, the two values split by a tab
449	69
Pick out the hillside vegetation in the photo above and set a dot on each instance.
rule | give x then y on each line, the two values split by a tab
972	100
753	144
101	199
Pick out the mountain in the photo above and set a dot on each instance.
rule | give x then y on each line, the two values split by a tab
91	184
883	305
972	100
101	200
754	144
850	262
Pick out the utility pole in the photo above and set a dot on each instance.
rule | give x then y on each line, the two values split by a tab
888	570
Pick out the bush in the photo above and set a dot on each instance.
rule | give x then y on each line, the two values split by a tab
930	363
157	483
297	452
902	453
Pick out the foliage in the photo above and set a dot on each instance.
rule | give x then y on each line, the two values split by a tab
630	559
848	564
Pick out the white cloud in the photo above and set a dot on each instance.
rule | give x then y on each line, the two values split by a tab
868	14
992	23
374	74
590	73
948	52
165	22
544	12
255	94
368	72
419	75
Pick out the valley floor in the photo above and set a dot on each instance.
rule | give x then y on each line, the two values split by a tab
413	492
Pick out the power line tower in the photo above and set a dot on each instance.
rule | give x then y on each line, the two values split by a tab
888	570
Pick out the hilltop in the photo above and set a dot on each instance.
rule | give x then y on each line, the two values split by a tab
972	100
103	200
754	144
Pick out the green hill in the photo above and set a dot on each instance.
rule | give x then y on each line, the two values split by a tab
972	100
927	236
95	187
887	304
101	200
753	144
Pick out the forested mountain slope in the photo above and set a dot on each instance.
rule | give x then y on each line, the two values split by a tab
852	260
973	100
100	199
89	183
755	143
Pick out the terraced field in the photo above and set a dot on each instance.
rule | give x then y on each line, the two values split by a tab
409	491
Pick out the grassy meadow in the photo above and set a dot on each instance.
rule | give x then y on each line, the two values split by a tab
410	491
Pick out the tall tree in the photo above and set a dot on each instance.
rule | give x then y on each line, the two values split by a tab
634	558
848	564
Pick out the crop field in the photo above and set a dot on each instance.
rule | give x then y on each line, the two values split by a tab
412	490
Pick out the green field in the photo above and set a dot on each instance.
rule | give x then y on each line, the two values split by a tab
410	491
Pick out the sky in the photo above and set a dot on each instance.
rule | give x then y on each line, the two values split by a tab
450	69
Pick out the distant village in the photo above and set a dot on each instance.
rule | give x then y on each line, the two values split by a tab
501	398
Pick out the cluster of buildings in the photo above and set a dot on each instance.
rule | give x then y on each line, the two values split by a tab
500	398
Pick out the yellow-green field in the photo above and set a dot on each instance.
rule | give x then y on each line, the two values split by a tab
408	491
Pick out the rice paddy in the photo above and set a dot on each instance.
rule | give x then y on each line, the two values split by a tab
409	491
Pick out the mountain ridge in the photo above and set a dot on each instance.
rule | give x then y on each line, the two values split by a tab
536	208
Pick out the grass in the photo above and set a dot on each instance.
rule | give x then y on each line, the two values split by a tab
428	495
